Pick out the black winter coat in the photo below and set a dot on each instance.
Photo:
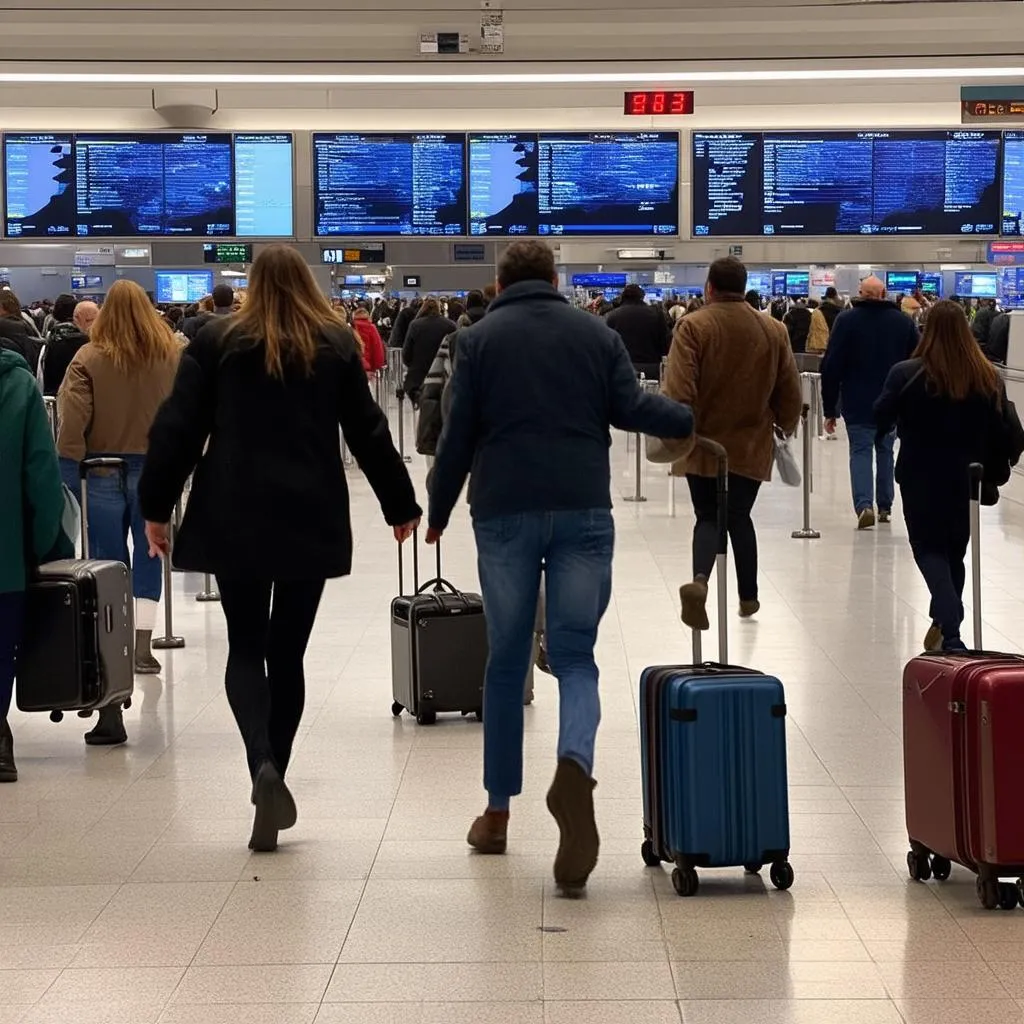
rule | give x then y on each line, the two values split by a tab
421	344
644	332
269	497
17	336
798	323
62	342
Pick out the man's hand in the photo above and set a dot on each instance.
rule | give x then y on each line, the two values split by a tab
830	426
159	540
433	535
406	530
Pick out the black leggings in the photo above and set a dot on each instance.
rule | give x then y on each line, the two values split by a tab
265	683
742	538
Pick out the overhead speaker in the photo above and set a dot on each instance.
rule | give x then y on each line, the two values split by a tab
185	108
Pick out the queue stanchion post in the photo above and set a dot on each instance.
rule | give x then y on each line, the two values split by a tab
807	532
51	414
209	591
671	494
169	641
401	427
637	497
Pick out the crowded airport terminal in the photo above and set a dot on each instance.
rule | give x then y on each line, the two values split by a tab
516	529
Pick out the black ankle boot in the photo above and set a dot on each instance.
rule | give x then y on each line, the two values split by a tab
109	731
8	769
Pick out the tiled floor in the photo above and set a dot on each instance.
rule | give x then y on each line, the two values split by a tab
127	895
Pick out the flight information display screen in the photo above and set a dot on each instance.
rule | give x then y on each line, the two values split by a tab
103	185
976	285
503	183
263	185
906	281
1013	183
39	184
389	184
608	183
837	183
150	184
931	283
183	285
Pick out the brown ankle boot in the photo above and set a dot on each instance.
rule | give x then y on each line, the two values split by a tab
571	803
489	833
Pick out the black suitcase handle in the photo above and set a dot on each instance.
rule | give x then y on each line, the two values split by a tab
436	582
85	467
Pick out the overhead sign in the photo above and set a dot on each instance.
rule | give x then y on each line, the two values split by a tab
411	281
986	103
1006	253
658	103
469	252
372	252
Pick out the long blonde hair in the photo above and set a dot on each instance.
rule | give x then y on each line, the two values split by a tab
285	309
130	332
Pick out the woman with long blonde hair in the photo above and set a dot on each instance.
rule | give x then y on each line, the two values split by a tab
255	414
105	406
948	405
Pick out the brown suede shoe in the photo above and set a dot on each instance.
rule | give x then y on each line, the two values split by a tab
489	833
571	803
694	599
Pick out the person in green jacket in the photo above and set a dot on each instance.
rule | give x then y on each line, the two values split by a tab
31	511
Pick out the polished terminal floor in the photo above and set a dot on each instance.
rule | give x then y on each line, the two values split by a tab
127	895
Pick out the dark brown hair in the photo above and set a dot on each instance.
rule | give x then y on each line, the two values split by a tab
526	261
728	275
953	362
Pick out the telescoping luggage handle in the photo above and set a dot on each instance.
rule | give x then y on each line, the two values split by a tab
977	476
439	583
722	460
85	467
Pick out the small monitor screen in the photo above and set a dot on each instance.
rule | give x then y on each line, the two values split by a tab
759	281
931	283
389	184
906	281
608	183
183	285
976	285
798	282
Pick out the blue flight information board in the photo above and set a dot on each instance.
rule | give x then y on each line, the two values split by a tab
971	285
183	285
906	281
1013	183
931	283
837	183
117	185
149	184
263	185
608	183
503	182
401	183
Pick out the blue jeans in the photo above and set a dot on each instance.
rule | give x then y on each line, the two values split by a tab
575	549
864	443
114	513
12	619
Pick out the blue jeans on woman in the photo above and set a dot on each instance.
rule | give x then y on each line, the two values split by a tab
114	514
575	548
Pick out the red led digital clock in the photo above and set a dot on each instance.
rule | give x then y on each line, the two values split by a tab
660	101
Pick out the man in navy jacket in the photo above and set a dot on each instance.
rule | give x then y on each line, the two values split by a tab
536	387
867	341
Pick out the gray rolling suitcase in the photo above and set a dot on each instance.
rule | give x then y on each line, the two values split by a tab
77	650
438	647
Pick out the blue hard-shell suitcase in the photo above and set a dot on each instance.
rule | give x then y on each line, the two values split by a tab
713	747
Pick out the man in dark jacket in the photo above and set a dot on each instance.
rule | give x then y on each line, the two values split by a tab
64	338
831	306
981	325
867	341
536	387
404	318
223	304
422	341
643	329
998	344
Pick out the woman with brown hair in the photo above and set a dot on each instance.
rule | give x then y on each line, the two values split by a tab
950	410
255	414
105	406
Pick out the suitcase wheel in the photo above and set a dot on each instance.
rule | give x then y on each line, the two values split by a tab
988	893
426	717
56	716
782	875
397	709
919	866
1008	896
649	855
685	882
479	714
754	868
941	868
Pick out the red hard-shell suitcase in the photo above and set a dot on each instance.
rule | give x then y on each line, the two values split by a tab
963	718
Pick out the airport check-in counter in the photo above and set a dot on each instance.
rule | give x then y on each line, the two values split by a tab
1013	372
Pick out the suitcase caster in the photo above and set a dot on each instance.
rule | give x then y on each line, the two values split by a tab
648	854
56	716
753	869
941	868
782	875
988	893
918	866
127	703
426	718
1008	897
397	709
685	882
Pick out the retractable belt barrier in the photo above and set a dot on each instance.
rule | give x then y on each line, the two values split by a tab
51	414
169	641
807	532
652	387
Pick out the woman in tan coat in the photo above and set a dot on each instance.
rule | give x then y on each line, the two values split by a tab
736	370
106	405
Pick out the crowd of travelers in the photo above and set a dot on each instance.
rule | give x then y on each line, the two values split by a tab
244	394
